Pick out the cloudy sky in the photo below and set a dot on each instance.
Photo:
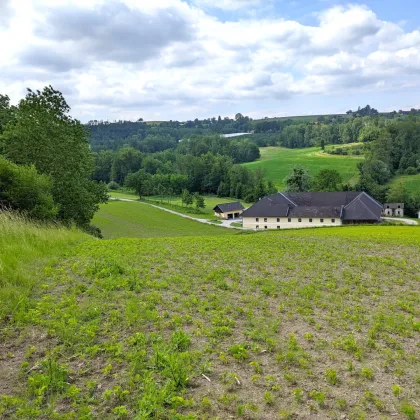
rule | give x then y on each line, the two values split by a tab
179	59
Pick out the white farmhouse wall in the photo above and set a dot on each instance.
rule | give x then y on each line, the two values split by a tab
272	223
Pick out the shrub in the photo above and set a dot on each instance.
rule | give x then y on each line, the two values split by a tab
113	185
22	188
411	171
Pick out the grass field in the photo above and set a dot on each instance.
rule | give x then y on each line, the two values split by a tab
411	182
25	248
118	219
317	323
175	203
279	161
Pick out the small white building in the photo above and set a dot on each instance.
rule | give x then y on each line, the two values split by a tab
419	214
393	209
229	210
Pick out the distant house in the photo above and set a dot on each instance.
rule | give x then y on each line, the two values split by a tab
393	209
419	214
295	210
229	210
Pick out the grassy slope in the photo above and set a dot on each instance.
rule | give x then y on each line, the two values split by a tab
137	220
175	203
411	182
278	162
297	324
25	248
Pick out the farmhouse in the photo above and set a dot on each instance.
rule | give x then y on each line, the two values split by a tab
393	209
228	210
295	210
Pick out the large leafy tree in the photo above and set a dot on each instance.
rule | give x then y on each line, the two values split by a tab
298	180
327	180
43	134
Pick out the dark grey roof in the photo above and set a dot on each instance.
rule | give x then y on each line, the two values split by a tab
227	207
315	211
363	207
345	205
394	205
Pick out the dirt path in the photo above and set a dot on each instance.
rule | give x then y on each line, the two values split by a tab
398	219
225	223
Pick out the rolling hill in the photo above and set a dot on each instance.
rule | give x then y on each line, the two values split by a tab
118	219
278	162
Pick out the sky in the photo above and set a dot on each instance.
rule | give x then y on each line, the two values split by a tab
186	59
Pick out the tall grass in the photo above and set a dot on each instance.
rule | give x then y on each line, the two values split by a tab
25	248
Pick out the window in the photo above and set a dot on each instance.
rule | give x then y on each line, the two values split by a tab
332	220
278	227
257	220
299	220
321	220
289	220
387	207
310	220
265	227
399	207
265	219
278	219
257	227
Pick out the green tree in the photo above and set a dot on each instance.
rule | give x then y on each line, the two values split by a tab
186	198
397	193
271	189
298	180
327	180
43	133
138	181
23	189
199	201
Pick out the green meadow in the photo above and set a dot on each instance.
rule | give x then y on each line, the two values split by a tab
278	162
175	203
118	219
410	182
315	323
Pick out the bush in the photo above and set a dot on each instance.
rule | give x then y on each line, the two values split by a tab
23	189
113	185
411	171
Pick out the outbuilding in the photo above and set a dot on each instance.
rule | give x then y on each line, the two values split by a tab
394	209
229	210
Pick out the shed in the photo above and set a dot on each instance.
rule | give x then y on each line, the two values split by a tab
228	210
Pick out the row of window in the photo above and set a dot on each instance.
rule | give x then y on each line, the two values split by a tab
290	220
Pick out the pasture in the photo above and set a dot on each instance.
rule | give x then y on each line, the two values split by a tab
118	219
175	203
410	182
279	161
317	323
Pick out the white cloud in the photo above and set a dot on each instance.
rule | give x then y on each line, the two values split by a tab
130	58
229	4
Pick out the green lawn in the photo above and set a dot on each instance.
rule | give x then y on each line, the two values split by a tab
279	161
137	220
411	182
308	324
175	203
